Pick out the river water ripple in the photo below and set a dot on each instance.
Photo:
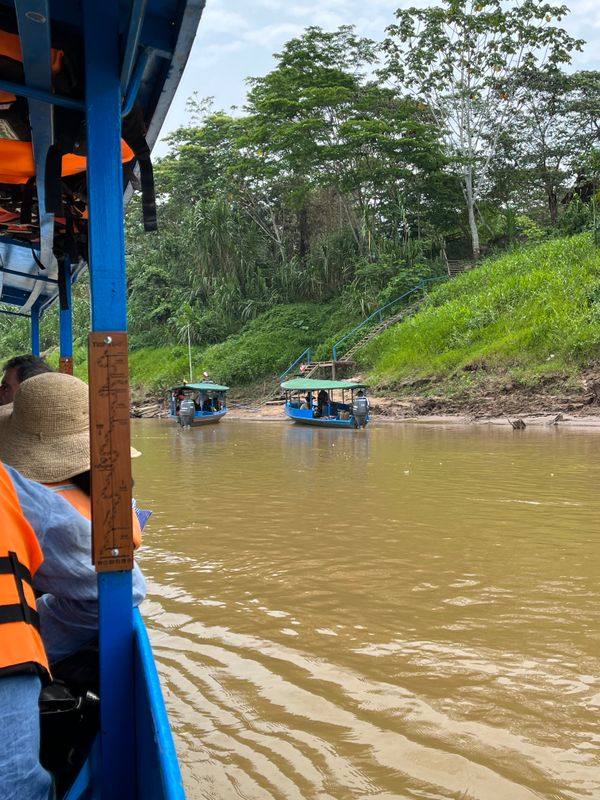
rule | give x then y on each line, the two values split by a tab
409	611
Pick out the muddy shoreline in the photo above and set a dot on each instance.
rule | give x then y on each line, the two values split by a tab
497	399
424	411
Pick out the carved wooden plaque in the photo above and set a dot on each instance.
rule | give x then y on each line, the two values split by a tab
112	548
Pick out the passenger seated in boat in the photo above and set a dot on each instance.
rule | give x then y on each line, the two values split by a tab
207	405
306	404
25	511
216	404
46	437
17	370
322	402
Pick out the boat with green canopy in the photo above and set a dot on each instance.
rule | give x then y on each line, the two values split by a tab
329	404
192	404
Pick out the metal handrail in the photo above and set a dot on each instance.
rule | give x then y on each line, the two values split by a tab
300	357
379	312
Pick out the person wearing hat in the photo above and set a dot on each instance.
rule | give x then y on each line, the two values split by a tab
44	434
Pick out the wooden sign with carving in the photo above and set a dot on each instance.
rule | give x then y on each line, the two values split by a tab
112	547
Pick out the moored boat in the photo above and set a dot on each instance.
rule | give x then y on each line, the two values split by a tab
326	404
192	404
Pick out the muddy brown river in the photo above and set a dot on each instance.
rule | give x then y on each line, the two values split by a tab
410	611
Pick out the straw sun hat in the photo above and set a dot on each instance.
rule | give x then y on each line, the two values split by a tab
45	432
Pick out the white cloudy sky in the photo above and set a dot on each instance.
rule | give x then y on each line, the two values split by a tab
237	38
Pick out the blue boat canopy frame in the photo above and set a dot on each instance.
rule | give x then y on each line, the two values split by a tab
85	87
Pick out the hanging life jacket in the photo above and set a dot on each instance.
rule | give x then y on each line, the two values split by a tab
82	502
21	647
67	155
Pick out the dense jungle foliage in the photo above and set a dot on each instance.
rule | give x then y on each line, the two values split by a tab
355	169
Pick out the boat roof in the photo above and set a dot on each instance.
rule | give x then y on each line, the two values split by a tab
311	384
156	39
201	387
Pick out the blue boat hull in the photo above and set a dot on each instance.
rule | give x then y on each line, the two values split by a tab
305	417
157	770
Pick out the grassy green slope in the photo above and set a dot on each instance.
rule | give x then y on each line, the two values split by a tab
534	312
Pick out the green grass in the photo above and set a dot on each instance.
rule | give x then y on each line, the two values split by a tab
534	312
264	348
525	319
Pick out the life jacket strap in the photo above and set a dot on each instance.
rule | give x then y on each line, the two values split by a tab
18	613
8	567
21	611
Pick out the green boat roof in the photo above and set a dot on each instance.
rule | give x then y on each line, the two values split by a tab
199	387
310	385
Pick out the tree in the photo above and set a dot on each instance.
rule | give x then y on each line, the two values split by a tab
557	127
463	59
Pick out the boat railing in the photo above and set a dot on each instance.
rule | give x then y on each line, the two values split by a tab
379	313
298	360
152	725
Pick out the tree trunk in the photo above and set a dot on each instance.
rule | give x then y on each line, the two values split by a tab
552	205
468	178
304	232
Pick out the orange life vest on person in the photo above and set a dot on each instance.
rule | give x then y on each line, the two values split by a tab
81	502
21	646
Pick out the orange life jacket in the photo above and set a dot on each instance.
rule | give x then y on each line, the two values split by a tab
10	47
21	647
81	502
66	155
17	164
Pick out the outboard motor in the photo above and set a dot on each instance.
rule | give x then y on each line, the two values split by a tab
360	410
187	412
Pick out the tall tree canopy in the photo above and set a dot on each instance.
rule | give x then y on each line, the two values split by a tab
464	60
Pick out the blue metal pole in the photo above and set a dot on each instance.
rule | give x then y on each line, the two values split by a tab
109	313
39	94
35	331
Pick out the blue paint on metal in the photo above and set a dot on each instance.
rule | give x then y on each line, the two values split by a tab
107	259
117	714
35	331
304	416
39	94
136	79
14	296
298	360
33	18
136	19
109	312
65	320
422	285
159	777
